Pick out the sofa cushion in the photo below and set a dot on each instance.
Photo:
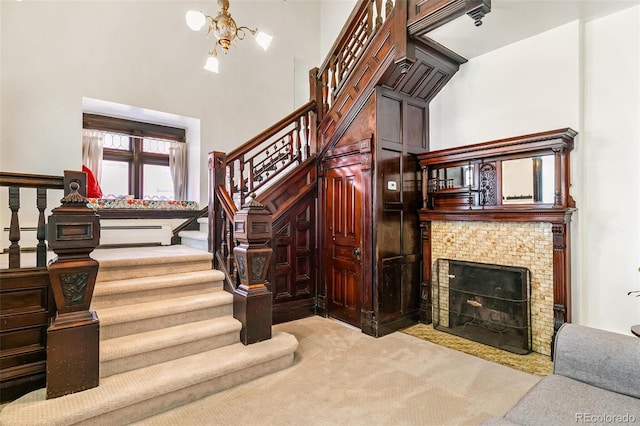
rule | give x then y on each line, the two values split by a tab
600	358
560	400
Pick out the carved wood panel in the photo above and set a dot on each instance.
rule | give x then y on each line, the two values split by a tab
293	273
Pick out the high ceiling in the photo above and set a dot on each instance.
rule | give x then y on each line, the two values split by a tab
512	20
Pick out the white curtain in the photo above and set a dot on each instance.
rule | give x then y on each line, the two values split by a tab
92	151
178	167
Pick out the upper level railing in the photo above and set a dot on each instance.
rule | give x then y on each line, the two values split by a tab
42	183
256	163
363	23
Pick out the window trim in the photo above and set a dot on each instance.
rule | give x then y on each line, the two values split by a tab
136	157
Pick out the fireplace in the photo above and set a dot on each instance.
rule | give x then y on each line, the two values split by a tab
486	303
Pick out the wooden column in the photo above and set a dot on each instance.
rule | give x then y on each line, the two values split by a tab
252	300
73	359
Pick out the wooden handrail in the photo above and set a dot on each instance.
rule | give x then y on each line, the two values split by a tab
226	202
269	132
26	180
187	223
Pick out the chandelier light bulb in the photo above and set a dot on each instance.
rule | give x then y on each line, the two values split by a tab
212	64
195	20
264	40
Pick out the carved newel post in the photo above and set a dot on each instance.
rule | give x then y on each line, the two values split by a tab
252	299
73	336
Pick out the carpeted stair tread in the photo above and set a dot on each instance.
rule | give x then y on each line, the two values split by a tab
141	350
148	255
127	263
162	308
133	344
139	387
133	285
194	235
147	289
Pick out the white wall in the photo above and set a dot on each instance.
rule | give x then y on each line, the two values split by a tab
526	87
585	76
141	53
609	226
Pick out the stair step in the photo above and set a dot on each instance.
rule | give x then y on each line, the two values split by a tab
195	239
146	289
120	321
204	224
137	262
144	349
127	397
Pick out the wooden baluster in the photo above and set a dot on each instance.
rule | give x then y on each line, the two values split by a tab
378	15
388	8
298	143
14	229
217	168
332	84
370	28
305	135
241	185
41	248
230	244
252	175
325	93
315	90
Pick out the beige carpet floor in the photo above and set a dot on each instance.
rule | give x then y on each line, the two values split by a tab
533	363
343	377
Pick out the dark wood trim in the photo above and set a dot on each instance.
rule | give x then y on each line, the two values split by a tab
131	127
25	180
427	15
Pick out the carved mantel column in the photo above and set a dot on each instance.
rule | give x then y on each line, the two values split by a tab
73	337
252	300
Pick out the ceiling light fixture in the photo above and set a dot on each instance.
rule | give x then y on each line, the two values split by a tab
225	30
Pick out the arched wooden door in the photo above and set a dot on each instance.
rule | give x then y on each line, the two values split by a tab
343	243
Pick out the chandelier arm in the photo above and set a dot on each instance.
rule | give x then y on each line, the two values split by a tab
213	25
241	30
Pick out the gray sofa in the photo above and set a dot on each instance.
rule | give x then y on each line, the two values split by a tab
595	380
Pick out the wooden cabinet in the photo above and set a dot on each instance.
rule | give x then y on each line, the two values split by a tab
26	307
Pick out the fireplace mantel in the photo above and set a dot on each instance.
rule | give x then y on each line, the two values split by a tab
467	184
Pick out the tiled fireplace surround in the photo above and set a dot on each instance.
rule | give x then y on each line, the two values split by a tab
473	224
522	244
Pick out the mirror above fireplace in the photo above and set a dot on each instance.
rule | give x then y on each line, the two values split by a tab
528	180
530	170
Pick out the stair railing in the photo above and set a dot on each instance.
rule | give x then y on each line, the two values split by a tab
42	184
256	163
363	23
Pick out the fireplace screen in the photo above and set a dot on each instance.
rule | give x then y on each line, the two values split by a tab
485	303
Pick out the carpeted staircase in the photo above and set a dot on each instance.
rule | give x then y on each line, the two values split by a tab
167	337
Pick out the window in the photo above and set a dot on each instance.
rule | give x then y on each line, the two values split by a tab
139	159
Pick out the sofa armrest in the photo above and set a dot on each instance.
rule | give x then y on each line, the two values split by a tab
600	358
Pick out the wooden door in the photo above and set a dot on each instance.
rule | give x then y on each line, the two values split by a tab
344	243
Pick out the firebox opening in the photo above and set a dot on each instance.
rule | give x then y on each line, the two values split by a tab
485	303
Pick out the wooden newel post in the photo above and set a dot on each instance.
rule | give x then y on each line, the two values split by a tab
252	299
73	337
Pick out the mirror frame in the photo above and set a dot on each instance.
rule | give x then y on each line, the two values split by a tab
487	158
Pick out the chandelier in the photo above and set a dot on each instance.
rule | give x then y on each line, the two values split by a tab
225	30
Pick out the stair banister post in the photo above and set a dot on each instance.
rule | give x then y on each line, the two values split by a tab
217	163
252	299
73	338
